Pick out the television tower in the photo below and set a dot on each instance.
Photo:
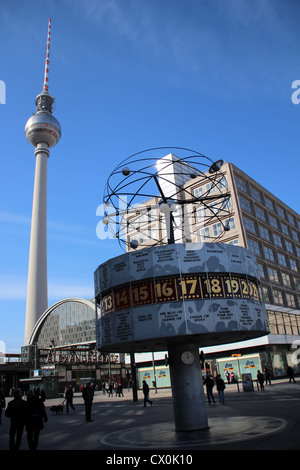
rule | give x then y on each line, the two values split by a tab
42	131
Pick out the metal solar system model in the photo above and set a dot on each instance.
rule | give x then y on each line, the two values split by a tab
168	291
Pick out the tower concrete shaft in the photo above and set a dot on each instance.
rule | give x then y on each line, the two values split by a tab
37	287
43	131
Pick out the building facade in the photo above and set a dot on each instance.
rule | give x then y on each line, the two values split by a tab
62	351
255	219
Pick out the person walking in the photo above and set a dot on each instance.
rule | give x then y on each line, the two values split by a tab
17	412
120	389
146	393
260	380
88	396
220	387
37	416
69	398
209	382
290	374
2	404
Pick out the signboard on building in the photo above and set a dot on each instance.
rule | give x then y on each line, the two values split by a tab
239	366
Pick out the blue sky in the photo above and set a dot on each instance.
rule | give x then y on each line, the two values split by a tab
210	75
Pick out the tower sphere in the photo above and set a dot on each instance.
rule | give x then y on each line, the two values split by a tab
42	127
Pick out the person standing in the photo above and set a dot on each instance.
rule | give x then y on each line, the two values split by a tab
260	379
267	376
69	398
146	393
17	412
209	382
220	387
88	396
36	417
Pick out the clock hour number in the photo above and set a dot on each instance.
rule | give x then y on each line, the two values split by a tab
165	290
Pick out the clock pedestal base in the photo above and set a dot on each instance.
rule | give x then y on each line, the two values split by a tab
187	388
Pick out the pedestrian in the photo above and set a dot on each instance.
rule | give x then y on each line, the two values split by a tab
146	393
228	377
88	396
2	404
220	387
290	374
120	390
267	376
36	418
17	412
260	380
69	398
209	383
110	389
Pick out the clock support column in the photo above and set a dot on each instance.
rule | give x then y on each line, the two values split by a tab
189	401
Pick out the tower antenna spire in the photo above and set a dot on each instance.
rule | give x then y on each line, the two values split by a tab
44	100
45	85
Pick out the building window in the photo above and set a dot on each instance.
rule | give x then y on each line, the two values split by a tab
277	240
254	247
269	204
261	271
230	223
287	323
277	296
284	229
222	183
198	192
260	213
293	265
286	279
233	242
291	219
265	293
272	323
269	254
256	195
289	246
297	283
245	204
295	235
290	298
273	221
249	225
281	259
273	275
280	212
241	184
204	234
217	229
210	187
264	232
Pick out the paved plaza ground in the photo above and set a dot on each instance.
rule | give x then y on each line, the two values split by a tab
258	420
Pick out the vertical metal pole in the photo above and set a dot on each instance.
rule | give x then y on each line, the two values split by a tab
154	372
133	371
